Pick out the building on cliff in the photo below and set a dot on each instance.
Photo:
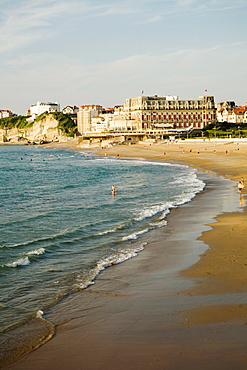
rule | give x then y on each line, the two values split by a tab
70	109
39	108
5	113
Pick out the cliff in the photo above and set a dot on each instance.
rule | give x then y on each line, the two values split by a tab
45	130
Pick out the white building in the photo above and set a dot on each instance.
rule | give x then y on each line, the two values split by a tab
238	115
224	110
70	110
39	108
5	113
245	117
85	115
99	124
227	111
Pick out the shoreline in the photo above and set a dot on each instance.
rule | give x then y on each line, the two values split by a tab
178	316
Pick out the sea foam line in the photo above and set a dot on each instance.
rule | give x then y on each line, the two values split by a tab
153	210
36	252
114	259
139	162
20	262
110	231
25	261
135	235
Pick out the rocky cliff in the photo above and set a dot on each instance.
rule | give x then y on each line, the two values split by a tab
43	131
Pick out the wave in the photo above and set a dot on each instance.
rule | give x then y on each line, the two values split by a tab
138	162
25	260
159	223
20	262
120	256
110	231
63	234
150	211
165	213
27	219
39	314
36	252
135	235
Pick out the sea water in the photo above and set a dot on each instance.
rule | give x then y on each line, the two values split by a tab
60	226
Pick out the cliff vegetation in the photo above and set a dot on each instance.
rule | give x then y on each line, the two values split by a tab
9	123
65	122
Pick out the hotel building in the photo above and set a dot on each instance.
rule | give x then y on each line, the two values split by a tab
149	113
162	112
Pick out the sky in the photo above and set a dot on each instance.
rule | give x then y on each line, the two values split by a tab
78	52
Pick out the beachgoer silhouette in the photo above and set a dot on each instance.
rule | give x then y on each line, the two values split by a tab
240	186
113	190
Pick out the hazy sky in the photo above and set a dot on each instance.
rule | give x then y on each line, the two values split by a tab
102	51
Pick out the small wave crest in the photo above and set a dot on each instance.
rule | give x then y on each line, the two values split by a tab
164	214
20	262
110	231
135	235
151	211
39	314
25	261
36	252
114	259
158	224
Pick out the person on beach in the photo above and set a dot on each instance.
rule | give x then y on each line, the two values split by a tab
113	190
240	186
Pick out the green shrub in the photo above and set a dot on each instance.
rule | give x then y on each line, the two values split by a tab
14	122
65	122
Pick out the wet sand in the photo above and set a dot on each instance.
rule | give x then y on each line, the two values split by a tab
182	303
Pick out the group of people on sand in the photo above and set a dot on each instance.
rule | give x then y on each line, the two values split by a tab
241	185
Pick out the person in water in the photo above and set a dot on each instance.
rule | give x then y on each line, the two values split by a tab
113	190
241	185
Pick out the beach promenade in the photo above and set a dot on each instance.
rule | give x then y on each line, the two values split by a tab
182	303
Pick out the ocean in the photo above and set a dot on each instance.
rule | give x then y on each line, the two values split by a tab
60	227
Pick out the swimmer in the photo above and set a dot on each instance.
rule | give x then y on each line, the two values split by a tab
240	186
113	190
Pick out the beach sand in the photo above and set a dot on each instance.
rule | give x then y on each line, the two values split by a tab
182	303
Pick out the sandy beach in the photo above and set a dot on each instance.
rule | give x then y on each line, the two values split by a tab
182	303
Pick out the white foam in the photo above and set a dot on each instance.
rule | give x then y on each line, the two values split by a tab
159	223
139	161
39	314
135	235
36	252
152	210
113	230
119	257
164	214
21	262
107	232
